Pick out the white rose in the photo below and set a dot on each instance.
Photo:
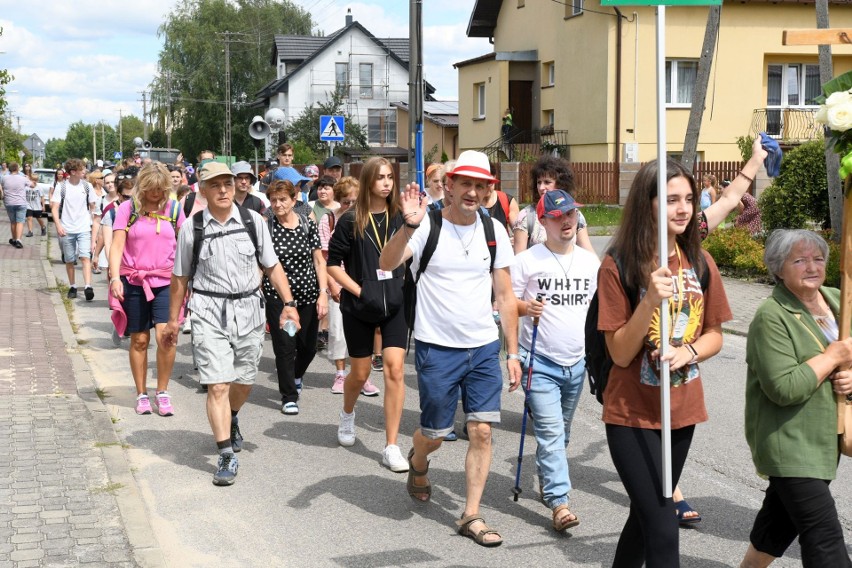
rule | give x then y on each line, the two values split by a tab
838	111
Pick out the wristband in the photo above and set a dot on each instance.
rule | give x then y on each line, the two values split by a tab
114	279
513	357
692	350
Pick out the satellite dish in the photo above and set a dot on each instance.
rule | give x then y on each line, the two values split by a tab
275	117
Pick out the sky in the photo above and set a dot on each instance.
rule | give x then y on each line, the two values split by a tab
87	62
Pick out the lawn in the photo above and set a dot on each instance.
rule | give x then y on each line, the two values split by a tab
602	215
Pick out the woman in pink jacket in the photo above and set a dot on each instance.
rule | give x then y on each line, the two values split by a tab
141	260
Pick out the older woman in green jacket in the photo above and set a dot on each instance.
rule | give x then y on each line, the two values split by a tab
793	354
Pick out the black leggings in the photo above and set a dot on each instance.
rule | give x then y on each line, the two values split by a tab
650	535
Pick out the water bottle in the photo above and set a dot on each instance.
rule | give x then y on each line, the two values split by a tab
289	327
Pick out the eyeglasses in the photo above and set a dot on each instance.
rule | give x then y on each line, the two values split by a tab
120	177
126	196
348	202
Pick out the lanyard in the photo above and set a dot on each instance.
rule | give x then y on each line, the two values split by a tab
380	244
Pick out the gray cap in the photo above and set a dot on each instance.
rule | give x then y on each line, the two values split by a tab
243	168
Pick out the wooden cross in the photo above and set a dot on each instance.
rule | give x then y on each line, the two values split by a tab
835	36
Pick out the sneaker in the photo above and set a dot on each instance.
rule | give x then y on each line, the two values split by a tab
116	338
337	387
12	242
90	294
322	340
143	404
346	430
43	231
377	363
236	436
226	473
29	234
187	327
164	404
369	389
299	388
290	408
451	437
72	292
393	460
19	244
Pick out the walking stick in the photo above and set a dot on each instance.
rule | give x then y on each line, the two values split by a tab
516	490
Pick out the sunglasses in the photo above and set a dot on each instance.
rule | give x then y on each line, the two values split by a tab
120	177
126	196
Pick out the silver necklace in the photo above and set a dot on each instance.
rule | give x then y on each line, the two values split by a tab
466	247
570	264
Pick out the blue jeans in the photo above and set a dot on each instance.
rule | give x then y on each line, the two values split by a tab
553	396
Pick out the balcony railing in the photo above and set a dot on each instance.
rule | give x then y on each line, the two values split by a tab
787	124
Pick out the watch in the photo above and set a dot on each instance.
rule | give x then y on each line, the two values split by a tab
290	304
514	357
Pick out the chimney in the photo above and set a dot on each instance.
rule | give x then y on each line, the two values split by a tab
348	16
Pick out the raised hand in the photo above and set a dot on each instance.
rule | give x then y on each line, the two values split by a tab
413	204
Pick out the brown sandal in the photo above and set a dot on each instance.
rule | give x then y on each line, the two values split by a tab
415	490
560	523
478	537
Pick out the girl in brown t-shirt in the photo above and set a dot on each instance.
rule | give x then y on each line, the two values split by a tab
632	399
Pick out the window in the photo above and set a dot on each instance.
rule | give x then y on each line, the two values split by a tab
549	74
479	92
792	84
381	126
573	8
341	78
680	81
365	77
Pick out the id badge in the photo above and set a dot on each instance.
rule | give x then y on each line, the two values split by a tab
383	274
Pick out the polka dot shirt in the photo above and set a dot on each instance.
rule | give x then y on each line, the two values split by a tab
294	248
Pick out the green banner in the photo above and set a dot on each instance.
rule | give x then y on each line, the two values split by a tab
661	2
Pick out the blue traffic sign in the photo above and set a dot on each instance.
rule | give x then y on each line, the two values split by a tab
332	128
116	155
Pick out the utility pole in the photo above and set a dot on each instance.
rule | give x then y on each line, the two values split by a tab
103	143
227	94
120	133
144	117
168	109
415	92
94	143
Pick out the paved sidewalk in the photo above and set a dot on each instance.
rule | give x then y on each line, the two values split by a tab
67	497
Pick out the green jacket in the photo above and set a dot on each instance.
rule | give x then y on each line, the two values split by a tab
790	422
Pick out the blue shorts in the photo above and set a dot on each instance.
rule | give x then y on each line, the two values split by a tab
76	245
441	371
142	315
17	213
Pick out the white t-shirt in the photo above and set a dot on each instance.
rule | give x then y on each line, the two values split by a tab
76	217
568	283
454	292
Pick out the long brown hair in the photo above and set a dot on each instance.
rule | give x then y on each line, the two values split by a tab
635	242
368	178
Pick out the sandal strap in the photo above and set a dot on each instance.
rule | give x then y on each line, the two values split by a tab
465	522
412	468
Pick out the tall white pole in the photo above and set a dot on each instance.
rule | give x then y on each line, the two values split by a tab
662	234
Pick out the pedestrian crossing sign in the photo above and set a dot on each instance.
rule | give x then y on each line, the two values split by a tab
331	128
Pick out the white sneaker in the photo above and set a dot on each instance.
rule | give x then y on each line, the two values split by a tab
393	460
346	430
187	327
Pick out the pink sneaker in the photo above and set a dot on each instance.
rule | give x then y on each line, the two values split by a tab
337	387
164	404
143	404
369	389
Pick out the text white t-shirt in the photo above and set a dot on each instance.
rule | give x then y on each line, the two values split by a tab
568	282
76	217
454	292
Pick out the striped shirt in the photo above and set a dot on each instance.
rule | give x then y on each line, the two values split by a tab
226	265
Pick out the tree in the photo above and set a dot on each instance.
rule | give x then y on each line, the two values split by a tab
305	128
189	92
8	137
54	153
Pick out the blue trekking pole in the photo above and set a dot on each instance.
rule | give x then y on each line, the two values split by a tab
516	490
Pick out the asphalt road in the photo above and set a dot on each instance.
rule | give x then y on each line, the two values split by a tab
301	500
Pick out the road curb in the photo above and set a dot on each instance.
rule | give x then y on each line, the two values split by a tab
145	549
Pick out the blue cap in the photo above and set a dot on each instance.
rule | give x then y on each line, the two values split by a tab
290	174
555	203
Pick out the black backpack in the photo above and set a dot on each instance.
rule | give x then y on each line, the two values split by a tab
409	287
598	361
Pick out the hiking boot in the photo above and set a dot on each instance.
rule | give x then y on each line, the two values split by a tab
393	460
72	292
236	436
227	466
290	408
346	430
377	363
143	404
337	387
164	404
369	389
90	294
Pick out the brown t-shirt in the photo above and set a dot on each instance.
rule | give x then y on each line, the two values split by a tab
632	395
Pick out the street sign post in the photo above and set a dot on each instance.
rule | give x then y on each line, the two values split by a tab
332	128
662	229
116	155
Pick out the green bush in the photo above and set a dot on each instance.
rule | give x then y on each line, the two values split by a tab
799	195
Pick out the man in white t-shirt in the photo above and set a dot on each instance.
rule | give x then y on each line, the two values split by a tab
457	343
72	204
565	277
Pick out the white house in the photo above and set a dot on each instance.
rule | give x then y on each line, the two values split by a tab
370	73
